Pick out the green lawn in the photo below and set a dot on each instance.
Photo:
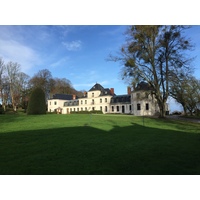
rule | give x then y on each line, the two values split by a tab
97	144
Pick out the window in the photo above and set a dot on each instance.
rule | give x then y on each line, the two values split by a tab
78	109
101	108
100	100
138	106
138	95
85	101
74	109
85	108
55	103
50	103
106	109
81	102
92	101
130	107
70	109
147	106
93	108
92	94
117	108
112	108
106	100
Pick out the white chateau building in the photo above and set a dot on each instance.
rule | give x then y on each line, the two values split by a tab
138	102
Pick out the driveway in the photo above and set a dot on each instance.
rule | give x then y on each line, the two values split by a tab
178	117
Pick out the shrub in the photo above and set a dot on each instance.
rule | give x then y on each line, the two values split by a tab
2	111
87	112
36	104
96	112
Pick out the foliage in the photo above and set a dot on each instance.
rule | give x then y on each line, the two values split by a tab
2	111
186	91
152	54
87	112
42	79
16	86
37	104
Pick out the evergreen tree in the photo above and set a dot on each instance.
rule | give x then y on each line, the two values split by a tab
37	105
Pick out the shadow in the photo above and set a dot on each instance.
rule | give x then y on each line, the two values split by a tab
85	150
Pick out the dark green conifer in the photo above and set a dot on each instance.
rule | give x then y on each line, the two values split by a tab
37	104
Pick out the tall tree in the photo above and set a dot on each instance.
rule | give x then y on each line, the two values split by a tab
5	92
2	68
152	54
37	104
61	86
13	70
42	79
24	89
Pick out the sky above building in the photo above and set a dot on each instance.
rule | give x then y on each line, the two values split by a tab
78	53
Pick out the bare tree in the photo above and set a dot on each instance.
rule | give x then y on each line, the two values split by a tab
151	54
13	70
42	79
61	86
2	69
185	89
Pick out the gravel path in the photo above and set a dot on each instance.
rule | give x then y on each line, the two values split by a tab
177	117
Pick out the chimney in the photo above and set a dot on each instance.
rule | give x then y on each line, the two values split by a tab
129	90
112	91
73	96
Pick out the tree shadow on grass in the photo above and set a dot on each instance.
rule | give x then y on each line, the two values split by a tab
84	150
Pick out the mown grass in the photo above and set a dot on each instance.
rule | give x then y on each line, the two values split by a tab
97	144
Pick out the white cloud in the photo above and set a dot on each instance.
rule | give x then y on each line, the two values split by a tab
73	46
59	62
14	51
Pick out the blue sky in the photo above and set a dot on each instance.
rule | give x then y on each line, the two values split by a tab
65	49
77	53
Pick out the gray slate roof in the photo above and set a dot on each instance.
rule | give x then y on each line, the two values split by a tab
63	96
121	99
104	91
143	86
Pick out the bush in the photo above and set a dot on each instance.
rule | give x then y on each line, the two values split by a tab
87	112
2	111
96	112
50	113
37	104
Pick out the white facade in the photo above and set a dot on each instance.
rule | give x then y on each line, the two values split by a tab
54	104
93	101
143	104
138	102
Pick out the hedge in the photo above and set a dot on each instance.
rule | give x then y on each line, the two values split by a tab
87	112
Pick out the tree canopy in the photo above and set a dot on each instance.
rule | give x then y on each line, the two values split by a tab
153	54
16	86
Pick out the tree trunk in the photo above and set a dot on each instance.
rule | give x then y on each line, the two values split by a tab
184	109
162	108
162	112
